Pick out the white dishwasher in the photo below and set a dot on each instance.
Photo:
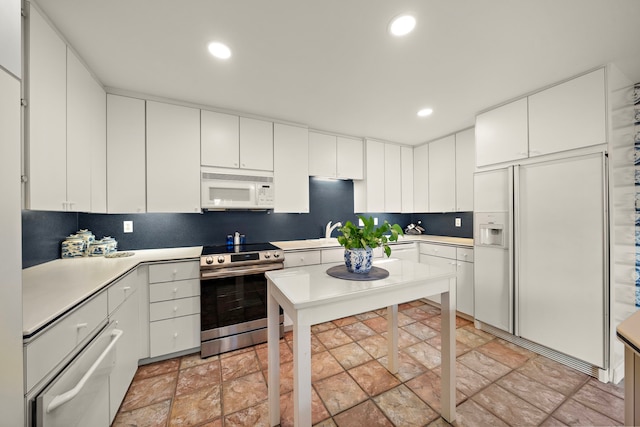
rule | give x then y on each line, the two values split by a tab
79	395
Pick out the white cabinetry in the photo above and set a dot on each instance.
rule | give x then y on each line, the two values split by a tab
369	193
47	119
86	139
465	167
335	156
291	172
173	158
421	178
502	134
392	179
406	172
300	258
442	175
220	139
456	259
174	310
126	172
11	36
256	144
569	115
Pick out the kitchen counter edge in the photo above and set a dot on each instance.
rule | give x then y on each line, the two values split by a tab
311	244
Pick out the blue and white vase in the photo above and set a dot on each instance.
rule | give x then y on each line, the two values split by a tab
358	260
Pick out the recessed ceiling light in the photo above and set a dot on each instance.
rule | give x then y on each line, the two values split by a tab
402	25
219	50
425	112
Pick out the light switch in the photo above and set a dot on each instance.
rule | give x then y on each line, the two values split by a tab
128	226
458	222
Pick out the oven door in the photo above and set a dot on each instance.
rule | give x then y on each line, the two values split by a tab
233	300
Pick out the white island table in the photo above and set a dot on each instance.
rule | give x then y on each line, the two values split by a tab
310	296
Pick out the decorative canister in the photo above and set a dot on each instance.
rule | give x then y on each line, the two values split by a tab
111	244
73	246
98	248
88	237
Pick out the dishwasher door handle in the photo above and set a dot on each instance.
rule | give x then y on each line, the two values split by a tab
63	398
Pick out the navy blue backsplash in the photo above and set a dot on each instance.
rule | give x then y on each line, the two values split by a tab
328	201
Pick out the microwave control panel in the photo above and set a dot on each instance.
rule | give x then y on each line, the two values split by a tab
264	194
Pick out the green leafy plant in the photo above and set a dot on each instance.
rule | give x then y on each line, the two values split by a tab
354	237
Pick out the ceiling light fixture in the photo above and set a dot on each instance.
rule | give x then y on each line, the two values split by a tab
425	112
219	50
402	25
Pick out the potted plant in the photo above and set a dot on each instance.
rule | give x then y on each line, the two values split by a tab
359	242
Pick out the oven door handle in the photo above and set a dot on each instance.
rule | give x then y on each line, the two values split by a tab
238	271
63	398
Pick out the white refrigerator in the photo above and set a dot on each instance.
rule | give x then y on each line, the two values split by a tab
540	251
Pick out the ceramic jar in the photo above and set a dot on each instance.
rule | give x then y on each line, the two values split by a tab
98	248
73	246
358	260
111	244
88	237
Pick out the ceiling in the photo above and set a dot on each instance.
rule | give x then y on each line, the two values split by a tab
331	64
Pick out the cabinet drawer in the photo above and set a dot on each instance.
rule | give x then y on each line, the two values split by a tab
174	308
121	289
52	345
464	254
332	255
174	271
300	258
171	335
174	290
438	250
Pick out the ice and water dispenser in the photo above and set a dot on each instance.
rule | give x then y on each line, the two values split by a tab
491	230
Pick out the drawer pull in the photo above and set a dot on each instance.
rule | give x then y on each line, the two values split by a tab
63	398
175	309
175	335
126	288
175	290
81	325
175	272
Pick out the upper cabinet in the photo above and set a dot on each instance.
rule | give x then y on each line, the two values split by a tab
369	193
291	172
11	36
333	156
230	141
501	134
465	167
66	142
568	116
421	178
392	179
126	171
173	158
406	165
442	175
563	117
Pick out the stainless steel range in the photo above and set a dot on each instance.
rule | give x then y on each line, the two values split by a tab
233	295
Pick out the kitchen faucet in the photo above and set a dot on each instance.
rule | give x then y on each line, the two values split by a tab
330	228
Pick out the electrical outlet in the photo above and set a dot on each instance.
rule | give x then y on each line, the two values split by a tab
458	222
360	223
375	221
128	226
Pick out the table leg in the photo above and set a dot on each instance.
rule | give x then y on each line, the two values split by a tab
392	338
301	374
448	353
273	354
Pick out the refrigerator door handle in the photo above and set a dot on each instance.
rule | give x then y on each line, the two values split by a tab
514	221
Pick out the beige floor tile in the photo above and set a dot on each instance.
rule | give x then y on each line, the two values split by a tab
350	355
469	413
576	414
404	408
147	391
408	367
319	412
425	354
239	365
324	365
428	387
606	403
333	338
155	415
502	354
157	368
552	374
373	378
198	376
509	407
365	414
358	331
339	392
254	416
420	331
376	346
377	323
484	365
196	407
243	392
532	391
468	381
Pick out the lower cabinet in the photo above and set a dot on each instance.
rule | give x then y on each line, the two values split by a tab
456	259
174	307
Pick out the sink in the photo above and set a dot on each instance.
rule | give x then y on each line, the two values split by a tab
322	242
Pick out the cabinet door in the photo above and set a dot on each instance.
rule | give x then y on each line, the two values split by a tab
421	178
464	287
126	172
173	158
406	173
465	167
219	139
350	158
291	171
569	115
47	110
442	175
375	180
322	155
443	263
502	134
392	179
11	36
86	139
256	144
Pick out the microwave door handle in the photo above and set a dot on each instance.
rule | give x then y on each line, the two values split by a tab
63	398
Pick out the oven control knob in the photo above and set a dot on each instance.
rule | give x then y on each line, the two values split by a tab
220	259
267	255
276	255
209	260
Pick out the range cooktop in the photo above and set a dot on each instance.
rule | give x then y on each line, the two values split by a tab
234	249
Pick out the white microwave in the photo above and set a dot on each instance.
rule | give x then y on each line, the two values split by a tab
236	189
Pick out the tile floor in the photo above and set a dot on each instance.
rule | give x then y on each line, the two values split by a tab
498	383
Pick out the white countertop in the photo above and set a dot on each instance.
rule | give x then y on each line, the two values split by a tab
310	244
52	288
311	285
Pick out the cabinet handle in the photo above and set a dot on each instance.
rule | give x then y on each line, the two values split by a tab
175	335
175	309
126	288
175	290
175	272
81	325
